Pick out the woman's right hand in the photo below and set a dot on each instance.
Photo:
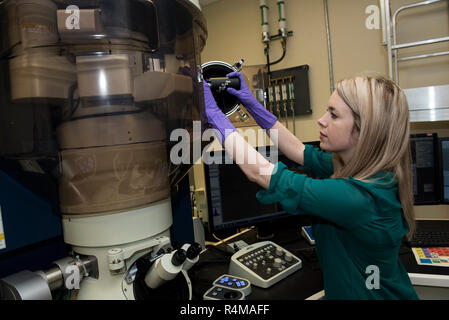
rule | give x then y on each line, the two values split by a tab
263	117
245	95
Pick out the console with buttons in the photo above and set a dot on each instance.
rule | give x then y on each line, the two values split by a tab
221	293
232	282
228	287
264	263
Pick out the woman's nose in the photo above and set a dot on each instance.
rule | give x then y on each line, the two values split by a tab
321	122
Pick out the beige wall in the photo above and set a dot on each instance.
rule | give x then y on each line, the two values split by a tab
234	28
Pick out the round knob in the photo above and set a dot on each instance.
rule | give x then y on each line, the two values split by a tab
279	252
277	263
288	257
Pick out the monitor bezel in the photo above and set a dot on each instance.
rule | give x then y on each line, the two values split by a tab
246	223
441	171
435	140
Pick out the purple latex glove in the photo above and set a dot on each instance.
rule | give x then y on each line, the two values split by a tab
215	116
264	118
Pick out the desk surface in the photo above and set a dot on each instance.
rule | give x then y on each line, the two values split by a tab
409	261
302	284
305	282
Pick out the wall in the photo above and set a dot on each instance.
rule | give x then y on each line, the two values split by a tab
234	28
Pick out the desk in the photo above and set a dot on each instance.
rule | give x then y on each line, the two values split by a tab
302	284
430	282
305	282
409	261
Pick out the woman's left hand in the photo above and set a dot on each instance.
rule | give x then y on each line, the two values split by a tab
215	116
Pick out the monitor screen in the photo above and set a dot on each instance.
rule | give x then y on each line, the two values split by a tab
444	154
425	162
231	195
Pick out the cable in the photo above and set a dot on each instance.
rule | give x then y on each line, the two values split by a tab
213	234
267	53
284	51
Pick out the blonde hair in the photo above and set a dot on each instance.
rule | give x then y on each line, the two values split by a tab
381	117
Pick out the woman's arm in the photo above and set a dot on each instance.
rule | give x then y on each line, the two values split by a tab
256	168
251	162
345	202
289	144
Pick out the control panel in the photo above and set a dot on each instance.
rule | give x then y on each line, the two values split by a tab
264	263
228	287
232	282
221	293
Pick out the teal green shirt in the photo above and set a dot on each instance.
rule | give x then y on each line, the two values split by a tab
358	227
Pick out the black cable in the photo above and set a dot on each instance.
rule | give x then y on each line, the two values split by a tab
267	53
284	51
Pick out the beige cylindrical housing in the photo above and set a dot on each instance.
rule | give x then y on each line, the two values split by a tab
111	130
37	22
109	179
104	76
41	75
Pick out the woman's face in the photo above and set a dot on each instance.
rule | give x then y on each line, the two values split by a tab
337	132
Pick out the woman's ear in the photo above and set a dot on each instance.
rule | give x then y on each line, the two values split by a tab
355	134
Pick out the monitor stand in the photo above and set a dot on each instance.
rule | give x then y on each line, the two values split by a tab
265	231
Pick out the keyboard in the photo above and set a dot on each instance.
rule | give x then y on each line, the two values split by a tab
430	239
431	234
264	264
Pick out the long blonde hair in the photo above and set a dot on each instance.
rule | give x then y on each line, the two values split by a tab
381	117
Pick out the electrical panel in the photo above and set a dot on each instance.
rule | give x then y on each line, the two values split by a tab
288	94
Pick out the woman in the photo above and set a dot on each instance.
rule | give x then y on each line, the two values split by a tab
361	200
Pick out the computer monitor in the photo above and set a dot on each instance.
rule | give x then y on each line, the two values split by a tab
444	168
425	168
231	196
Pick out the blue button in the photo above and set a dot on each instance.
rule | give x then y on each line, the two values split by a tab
229	283
222	281
234	279
242	283
426	260
226	278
